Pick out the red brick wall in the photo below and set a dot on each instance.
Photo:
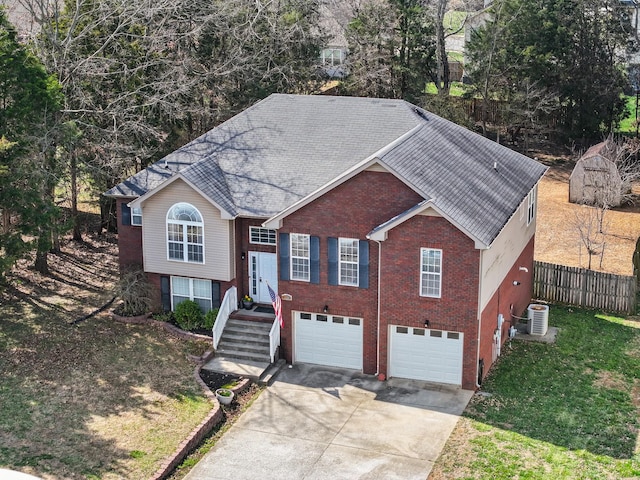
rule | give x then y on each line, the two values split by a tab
508	300
129	241
350	210
455	310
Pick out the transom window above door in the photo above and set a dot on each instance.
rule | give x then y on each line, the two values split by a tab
262	236
185	234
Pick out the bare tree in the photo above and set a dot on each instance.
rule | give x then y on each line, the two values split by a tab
141	78
588	222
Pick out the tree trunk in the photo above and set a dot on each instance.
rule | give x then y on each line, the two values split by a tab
41	264
108	221
77	234
442	62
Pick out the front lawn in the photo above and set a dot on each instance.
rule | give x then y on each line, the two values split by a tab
92	399
568	410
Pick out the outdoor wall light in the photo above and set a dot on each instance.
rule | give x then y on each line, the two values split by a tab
243	255
516	283
325	309
426	324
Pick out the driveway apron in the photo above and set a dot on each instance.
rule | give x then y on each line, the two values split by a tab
316	422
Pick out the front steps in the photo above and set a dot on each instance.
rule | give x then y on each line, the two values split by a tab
245	340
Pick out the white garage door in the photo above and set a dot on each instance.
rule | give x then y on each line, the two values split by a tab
424	354
328	340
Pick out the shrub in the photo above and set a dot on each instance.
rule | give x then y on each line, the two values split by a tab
188	315
163	317
210	318
135	291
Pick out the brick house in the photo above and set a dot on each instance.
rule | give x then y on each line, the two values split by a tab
400	243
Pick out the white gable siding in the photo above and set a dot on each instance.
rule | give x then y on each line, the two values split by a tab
218	236
505	250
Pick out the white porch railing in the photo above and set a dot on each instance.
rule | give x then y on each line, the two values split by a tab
229	304
274	339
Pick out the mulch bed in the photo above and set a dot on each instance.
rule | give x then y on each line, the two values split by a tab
215	380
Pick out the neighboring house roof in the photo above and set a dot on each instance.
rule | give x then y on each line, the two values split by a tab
281	151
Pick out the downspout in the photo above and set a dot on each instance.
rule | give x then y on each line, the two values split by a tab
378	306
479	321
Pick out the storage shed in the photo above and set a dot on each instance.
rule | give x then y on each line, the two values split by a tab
595	179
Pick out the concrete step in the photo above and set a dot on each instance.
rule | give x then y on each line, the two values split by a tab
240	355
225	346
235	325
244	338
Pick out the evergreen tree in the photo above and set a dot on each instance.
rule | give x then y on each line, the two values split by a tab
566	50
29	102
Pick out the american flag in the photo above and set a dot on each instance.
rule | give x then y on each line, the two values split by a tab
277	305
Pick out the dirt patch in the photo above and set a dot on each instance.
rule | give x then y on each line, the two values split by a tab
557	236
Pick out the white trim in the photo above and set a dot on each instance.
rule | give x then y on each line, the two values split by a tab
143	198
192	296
348	244
184	224
136	215
531	205
438	274
380	233
261	230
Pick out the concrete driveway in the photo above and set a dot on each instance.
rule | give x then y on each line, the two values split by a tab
316	422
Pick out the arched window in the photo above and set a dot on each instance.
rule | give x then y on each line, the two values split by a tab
185	234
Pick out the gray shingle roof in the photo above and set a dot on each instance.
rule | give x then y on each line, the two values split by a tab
454	168
281	149
285	147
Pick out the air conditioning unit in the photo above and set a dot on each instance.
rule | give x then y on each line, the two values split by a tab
537	319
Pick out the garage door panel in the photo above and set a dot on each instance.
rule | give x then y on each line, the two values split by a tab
328	340
423	354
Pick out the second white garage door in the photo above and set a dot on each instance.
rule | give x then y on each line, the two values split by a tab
328	340
424	354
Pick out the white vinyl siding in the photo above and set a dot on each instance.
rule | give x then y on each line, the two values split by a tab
196	289
300	257
217	232
348	260
430	272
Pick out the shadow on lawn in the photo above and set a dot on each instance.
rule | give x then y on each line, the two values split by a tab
87	400
580	393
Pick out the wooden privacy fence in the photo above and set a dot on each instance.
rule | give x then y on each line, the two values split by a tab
584	288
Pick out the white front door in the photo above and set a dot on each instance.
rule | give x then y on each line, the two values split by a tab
263	268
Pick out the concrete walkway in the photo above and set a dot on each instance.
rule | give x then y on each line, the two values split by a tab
315	422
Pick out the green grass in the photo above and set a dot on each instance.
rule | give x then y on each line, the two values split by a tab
628	124
453	21
568	410
457	89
